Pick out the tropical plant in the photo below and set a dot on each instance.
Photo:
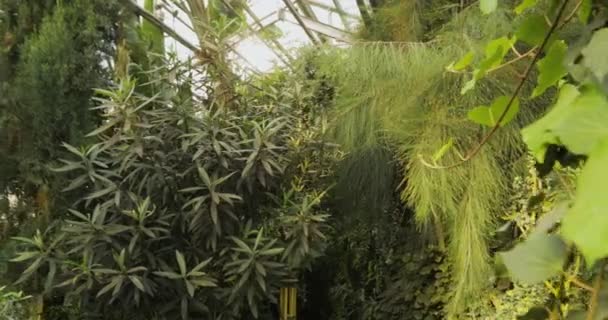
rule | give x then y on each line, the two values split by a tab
162	229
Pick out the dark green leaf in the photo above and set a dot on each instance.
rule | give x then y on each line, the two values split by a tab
533	30
551	67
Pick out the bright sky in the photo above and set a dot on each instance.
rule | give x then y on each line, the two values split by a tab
254	52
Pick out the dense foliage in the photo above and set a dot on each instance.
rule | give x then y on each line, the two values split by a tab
447	165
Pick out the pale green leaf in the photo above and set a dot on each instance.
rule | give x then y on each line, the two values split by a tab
536	259
586	124
137	282
181	262
488	6
489	116
539	135
586	223
596	54
551	67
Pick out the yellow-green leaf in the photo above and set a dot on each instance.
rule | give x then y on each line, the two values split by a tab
489	116
525	4
464	62
441	152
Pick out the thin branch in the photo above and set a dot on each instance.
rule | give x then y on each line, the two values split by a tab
581	284
471	154
295	14
597	285
573	13
520	57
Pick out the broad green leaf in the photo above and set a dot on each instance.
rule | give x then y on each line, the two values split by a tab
536	259
595	54
586	124
539	135
586	223
495	52
525	4
532	30
488	6
489	116
551	67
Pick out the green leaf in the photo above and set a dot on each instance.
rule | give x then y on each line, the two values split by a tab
551	67
137	282
25	256
585	11
441	152
495	52
489	116
539	135
464	62
469	85
536	259
190	288
181	262
201	265
525	4
585	125
533	30
168	275
242	245
595	56
488	6
586	223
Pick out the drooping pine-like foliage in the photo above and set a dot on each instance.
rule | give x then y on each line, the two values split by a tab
400	96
